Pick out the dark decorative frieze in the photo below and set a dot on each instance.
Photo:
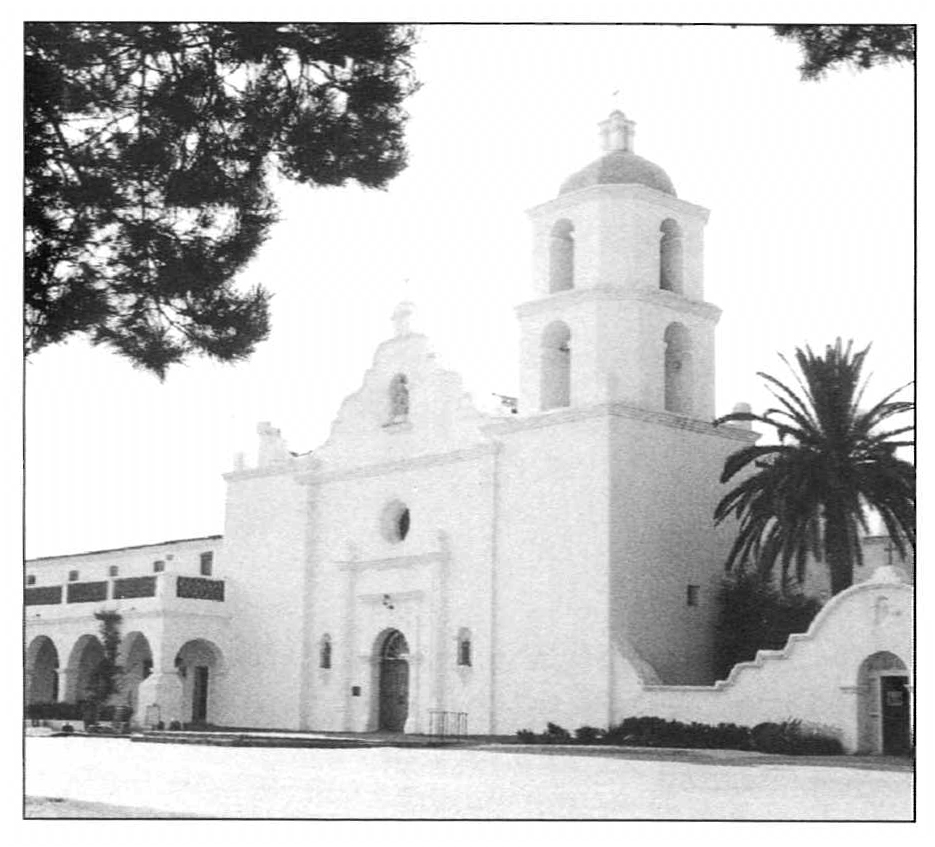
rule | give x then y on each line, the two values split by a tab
199	588
87	592
47	595
134	586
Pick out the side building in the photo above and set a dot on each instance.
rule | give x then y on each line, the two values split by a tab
176	625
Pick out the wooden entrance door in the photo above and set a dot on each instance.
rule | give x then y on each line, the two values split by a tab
895	710
394	683
200	695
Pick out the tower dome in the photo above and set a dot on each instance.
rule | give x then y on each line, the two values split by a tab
619	165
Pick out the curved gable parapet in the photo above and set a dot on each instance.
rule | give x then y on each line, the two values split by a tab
847	596
874	605
407	405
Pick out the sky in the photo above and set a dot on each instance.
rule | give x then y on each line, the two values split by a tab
810	187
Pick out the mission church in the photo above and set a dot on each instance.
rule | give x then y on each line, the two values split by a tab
434	568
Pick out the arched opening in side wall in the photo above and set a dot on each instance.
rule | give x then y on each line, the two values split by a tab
199	662
83	661
42	670
136	658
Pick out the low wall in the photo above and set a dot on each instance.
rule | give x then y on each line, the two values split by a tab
827	677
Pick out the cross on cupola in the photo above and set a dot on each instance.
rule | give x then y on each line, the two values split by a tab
402	316
617	132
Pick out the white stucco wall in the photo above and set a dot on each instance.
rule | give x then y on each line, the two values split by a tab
815	678
552	660
265	561
664	473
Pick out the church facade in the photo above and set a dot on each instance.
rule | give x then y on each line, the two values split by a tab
431	568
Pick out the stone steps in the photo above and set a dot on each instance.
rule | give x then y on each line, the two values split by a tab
241	739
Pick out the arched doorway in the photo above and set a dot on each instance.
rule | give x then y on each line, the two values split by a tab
198	663
42	671
394	682
85	657
884	711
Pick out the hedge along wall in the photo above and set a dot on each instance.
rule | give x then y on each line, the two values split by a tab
820	677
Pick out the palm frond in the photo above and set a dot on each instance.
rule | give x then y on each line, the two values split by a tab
805	498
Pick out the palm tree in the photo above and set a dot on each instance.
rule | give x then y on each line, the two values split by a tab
810	493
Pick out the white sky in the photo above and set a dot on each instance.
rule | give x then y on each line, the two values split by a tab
810	187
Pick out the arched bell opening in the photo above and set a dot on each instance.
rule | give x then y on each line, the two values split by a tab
562	257
670	257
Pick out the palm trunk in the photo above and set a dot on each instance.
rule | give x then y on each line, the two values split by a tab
837	552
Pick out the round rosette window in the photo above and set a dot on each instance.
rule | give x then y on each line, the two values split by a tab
394	523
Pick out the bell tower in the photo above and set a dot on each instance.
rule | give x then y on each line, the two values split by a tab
619	314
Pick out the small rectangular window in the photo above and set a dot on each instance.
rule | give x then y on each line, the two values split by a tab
691	595
30	579
159	567
73	576
113	570
207	563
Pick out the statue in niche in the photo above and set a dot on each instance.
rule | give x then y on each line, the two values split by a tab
399	398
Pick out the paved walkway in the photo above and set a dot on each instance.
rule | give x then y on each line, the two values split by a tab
452	783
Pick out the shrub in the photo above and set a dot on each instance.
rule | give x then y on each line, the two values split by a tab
732	736
792	739
54	711
788	738
175	725
769	737
556	734
588	734
106	679
643	732
67	728
659	732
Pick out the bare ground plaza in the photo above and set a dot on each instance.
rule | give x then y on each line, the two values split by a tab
485	782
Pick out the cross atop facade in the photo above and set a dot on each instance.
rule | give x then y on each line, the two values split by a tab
889	548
